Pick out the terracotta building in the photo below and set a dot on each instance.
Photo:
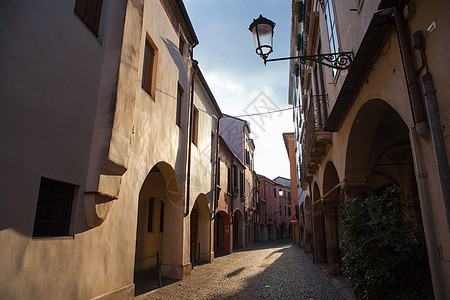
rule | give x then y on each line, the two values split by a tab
383	121
229	230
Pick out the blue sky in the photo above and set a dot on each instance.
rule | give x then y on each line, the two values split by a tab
237	76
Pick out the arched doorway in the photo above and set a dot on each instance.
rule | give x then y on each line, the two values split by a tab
200	231
263	233
331	204
283	231
271	232
379	155
319	238
238	230
308	226
301	225
159	225
222	233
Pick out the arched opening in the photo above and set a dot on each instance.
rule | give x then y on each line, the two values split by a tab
159	227
319	238
222	233
257	233
271	232
200	231
283	231
238	230
308	238
264	237
331	204
301	225
379	154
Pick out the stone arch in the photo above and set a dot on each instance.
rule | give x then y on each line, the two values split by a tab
238	229
331	206
319	238
200	230
379	151
160	223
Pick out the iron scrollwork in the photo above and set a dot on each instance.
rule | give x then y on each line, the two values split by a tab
339	61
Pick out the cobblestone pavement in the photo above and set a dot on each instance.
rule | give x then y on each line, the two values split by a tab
270	270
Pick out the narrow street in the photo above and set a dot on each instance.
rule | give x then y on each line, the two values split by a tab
268	270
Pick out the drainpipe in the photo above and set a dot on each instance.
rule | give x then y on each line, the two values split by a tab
438	141
421	128
415	97
189	132
216	178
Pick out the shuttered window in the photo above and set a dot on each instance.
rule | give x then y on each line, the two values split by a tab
147	73
89	12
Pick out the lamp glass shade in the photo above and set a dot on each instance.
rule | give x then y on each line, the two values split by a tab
262	30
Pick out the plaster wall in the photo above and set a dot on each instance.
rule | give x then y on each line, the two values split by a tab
231	130
386	81
97	261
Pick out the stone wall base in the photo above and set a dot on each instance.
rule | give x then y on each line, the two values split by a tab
125	292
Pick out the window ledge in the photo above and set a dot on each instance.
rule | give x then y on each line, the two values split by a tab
53	238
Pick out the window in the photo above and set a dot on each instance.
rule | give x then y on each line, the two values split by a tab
275	192
235	177
54	208
241	183
213	149
194	128
331	28
147	73
229	180
161	218
89	12
265	189
270	188
181	45
180	94
151	203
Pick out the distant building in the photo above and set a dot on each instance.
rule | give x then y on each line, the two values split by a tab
236	134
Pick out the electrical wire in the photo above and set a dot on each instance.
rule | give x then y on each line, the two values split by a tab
263	113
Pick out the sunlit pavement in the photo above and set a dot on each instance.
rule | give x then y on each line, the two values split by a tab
270	270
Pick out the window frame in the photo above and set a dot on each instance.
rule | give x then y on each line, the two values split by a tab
180	97
90	13
194	125
331	25
49	197
148	80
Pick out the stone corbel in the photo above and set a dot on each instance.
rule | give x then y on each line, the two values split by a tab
99	202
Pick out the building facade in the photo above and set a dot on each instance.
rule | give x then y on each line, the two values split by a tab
381	122
112	147
236	134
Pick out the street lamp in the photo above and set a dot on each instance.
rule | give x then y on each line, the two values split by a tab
262	30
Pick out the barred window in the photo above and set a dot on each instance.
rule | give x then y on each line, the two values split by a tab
54	208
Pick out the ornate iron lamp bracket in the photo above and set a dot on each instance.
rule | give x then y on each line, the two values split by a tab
339	61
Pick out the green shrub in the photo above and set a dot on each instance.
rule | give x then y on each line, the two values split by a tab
384	247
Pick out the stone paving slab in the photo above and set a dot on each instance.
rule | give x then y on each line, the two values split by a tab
270	270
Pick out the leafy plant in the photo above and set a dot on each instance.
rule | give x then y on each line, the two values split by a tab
297	8
384	247
296	69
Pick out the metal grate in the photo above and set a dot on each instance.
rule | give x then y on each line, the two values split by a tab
54	208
